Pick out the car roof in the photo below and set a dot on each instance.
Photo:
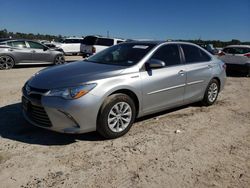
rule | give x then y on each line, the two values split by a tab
158	42
98	36
12	40
238	46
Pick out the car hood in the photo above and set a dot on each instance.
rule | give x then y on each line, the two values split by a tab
73	74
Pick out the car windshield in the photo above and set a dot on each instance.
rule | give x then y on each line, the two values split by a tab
125	54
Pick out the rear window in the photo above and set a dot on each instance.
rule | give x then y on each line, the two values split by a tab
236	50
89	40
194	54
119	41
105	42
70	41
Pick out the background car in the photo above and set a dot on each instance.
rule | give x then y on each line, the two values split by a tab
237	57
95	44
210	48
107	91
20	52
70	46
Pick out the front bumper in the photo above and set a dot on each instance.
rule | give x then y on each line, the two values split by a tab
60	115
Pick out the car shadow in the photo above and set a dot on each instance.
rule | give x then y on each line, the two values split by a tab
231	73
13	126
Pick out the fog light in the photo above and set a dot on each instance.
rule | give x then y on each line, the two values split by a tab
71	118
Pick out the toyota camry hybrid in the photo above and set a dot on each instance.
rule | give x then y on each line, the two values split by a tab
107	91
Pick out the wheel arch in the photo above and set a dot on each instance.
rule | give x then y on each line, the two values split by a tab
10	55
132	95
219	81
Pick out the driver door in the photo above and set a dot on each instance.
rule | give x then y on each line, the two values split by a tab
163	88
39	54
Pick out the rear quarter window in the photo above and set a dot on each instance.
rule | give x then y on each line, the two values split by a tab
105	42
194	54
242	50
229	50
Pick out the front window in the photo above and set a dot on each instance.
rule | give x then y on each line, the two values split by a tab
169	54
35	45
125	54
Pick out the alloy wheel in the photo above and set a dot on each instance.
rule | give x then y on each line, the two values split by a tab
59	60
212	92
6	62
119	117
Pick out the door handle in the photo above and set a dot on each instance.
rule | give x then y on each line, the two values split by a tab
181	72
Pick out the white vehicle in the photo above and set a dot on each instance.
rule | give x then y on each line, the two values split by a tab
71	46
94	44
237	57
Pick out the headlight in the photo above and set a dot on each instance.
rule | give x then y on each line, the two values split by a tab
72	92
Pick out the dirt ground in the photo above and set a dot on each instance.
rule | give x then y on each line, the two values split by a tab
212	149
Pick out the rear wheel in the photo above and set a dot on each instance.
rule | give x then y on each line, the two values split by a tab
59	60
6	62
211	93
116	116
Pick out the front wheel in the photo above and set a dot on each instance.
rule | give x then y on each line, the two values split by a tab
59	60
116	116
6	62
211	93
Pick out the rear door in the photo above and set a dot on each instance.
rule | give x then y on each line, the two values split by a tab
20	51
199	69
164	87
39	54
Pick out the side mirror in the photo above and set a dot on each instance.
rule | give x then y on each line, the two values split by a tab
45	48
155	63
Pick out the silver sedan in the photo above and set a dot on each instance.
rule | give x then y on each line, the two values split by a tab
27	52
107	91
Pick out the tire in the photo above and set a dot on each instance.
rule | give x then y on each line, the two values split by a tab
59	59
6	62
109	114
211	93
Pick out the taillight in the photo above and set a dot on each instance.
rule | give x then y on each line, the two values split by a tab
247	55
221	54
93	50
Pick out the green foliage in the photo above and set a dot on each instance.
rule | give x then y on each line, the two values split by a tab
217	43
7	34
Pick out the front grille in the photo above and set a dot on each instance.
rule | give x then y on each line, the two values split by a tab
35	96
34	93
38	115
